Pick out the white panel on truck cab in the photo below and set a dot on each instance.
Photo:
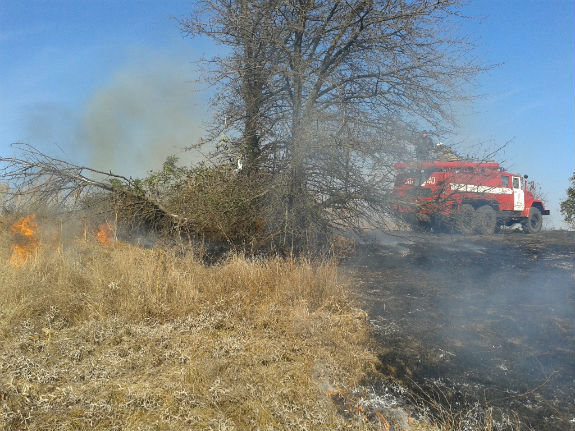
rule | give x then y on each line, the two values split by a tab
518	195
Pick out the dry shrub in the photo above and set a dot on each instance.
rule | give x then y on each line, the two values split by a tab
110	337
221	205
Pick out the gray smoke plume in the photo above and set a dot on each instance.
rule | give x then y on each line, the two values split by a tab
148	109
146	112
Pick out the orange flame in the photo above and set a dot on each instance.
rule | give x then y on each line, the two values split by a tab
105	234
26	241
384	423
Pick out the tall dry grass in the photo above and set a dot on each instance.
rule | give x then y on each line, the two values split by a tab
118	337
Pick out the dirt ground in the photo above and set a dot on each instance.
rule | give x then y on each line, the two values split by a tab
482	327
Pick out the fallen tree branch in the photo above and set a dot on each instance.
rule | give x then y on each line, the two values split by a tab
38	177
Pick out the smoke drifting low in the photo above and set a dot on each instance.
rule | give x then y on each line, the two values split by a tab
146	112
478	319
148	109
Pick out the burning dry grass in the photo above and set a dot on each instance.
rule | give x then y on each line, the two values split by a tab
25	242
105	234
120	337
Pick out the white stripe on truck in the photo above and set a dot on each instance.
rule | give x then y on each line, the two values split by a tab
471	188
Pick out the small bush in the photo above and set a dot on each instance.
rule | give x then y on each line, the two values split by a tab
222	205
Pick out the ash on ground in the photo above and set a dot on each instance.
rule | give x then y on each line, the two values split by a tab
480	328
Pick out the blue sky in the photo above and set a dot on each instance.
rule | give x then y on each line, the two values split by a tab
529	99
74	69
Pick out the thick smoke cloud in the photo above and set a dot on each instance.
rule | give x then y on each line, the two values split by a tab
146	112
147	109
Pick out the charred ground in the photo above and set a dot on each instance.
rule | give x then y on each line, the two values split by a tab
477	321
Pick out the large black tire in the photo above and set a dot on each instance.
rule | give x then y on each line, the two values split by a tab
534	221
421	227
485	220
437	223
465	219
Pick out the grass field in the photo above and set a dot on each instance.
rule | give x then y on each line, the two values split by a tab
112	336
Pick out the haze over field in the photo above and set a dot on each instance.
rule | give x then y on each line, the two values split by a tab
299	277
62	61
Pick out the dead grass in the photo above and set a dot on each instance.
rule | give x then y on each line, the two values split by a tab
118	337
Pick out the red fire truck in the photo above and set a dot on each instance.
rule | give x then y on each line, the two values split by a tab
468	197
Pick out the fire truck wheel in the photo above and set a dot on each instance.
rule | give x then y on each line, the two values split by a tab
486	219
421	227
533	222
437	224
465	220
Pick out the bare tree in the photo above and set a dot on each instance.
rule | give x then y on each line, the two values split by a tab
319	99
326	94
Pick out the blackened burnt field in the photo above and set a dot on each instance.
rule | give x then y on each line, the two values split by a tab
472	321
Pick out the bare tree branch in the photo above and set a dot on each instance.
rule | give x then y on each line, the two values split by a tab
42	178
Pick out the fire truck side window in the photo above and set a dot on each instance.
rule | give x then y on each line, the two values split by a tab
515	182
504	180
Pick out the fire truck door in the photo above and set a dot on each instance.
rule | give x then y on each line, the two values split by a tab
518	195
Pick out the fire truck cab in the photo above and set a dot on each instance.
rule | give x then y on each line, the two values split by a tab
468	197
